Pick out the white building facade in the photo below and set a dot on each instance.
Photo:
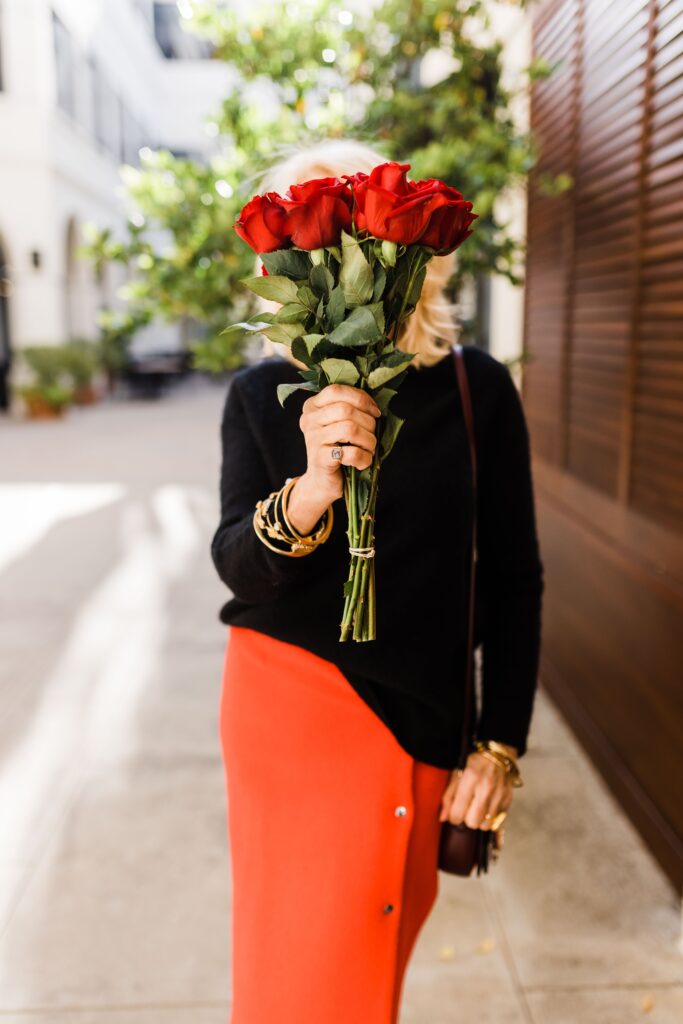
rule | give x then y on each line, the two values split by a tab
84	85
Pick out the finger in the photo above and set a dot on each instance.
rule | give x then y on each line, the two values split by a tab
336	411
344	392
476	808
449	794
463	797
474	817
351	455
493	806
447	798
507	799
348	432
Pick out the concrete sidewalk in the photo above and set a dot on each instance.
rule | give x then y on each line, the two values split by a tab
114	866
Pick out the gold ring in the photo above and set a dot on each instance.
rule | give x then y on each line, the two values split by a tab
498	820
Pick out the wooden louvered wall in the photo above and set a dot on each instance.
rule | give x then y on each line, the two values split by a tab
656	450
603	391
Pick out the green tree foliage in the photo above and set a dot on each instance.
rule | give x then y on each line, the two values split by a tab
306	70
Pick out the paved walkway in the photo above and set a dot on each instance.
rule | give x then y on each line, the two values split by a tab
114	867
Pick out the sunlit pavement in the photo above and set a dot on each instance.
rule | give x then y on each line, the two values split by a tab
114	865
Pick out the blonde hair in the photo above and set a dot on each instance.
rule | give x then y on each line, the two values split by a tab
432	327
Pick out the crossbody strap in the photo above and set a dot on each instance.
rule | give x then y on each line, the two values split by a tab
465	397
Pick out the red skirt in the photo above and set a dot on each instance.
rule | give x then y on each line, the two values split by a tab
333	831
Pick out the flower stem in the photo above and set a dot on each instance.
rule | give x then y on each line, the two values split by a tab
349	500
359	607
415	267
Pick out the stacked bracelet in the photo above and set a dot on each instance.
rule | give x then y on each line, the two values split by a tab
498	755
271	520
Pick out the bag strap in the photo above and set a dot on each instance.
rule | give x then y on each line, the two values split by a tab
466	399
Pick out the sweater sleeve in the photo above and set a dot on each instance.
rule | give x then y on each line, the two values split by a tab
253	572
510	572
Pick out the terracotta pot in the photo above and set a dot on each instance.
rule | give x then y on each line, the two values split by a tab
39	409
86	395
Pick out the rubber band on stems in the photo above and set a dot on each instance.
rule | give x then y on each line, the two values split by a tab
363	552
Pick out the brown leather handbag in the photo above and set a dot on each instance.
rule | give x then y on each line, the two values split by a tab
461	848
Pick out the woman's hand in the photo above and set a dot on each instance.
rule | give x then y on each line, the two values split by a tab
339	414
482	789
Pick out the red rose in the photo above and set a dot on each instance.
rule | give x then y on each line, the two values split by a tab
389	206
261	224
448	225
356	183
317	211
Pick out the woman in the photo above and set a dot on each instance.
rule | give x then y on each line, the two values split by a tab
340	757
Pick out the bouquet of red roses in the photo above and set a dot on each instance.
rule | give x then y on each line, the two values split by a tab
346	258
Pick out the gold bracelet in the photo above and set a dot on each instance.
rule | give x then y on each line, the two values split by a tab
296	539
267	520
502	759
314	536
297	549
279	521
270	519
493	745
498	750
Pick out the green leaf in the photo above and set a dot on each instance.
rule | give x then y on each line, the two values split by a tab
416	290
393	356
392	425
321	281
277	289
312	341
380	282
340	371
382	374
300	351
292	262
359	328
285	390
377	310
251	324
307	297
324	349
355	276
283	333
244	327
290	313
383	397
363	364
313	375
336	307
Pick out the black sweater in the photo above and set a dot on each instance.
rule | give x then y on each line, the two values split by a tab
413	673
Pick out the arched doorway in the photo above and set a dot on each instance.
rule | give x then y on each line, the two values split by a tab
5	339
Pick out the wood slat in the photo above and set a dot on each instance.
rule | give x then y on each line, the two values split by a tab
606	34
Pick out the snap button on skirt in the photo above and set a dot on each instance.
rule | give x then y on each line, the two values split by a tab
333	832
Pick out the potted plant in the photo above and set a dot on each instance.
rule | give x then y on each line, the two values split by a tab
47	394
80	360
113	349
